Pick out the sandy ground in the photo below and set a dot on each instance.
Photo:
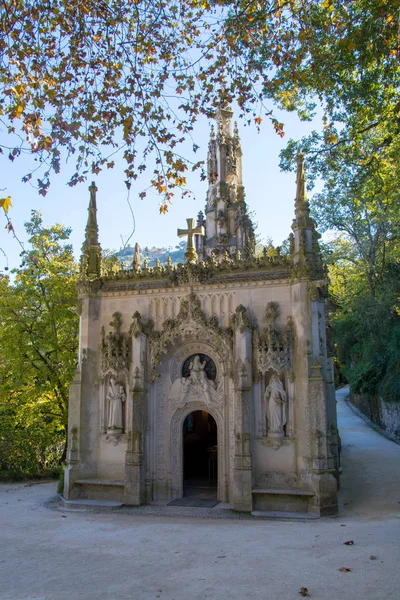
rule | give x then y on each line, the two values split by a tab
51	554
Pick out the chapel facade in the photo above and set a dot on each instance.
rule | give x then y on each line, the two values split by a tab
214	375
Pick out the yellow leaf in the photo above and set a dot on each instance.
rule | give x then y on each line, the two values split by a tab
5	203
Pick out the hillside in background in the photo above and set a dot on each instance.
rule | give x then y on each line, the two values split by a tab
125	256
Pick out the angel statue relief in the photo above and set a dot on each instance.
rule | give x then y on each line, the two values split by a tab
116	397
196	386
276	407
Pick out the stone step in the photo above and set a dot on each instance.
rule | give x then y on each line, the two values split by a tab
273	501
274	514
107	482
91	504
282	492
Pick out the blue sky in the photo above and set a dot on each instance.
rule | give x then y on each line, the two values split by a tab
269	193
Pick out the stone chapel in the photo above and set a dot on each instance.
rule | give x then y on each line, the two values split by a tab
214	375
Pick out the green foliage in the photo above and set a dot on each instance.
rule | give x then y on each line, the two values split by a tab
38	344
367	332
89	78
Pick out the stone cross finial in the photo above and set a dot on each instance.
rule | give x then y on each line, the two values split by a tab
190	232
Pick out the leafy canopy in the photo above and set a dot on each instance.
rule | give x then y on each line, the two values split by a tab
89	78
38	345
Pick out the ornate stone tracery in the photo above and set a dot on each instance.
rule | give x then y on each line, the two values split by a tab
114	347
273	350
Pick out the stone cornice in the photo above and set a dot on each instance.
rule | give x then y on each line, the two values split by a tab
129	287
186	276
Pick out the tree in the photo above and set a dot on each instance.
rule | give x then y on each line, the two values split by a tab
38	345
88	78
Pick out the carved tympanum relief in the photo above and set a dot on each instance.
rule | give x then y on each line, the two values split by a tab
196	385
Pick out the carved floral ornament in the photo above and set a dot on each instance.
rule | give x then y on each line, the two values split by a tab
273	349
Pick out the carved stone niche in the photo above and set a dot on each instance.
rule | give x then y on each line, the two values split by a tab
276	405
115	388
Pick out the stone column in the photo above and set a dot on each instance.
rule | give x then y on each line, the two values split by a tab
134	458
84	405
242	468
322	463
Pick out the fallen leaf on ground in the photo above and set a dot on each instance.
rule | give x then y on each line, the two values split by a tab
372	557
304	592
349	543
344	570
343	525
222	556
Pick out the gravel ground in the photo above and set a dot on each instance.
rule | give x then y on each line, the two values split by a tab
174	553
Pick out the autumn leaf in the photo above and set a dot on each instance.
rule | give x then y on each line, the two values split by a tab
304	592
344	570
5	203
258	120
349	543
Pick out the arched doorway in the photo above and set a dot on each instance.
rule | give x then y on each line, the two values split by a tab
200	456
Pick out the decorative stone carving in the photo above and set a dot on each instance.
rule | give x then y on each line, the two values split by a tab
114	347
239	320
273	350
137	327
275	407
196	387
116	397
136	258
190	323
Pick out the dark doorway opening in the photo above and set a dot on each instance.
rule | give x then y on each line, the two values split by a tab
200	456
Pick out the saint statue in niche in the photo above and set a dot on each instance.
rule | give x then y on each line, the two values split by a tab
116	397
276	407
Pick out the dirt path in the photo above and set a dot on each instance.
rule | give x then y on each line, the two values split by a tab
58	555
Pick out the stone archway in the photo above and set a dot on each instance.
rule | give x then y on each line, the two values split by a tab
176	466
200	455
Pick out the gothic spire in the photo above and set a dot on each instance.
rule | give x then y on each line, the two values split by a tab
92	229
228	225
301	204
305	250
91	250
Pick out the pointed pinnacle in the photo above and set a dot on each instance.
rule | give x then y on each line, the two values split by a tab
91	234
301	195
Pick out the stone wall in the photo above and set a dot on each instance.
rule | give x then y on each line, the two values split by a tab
384	414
